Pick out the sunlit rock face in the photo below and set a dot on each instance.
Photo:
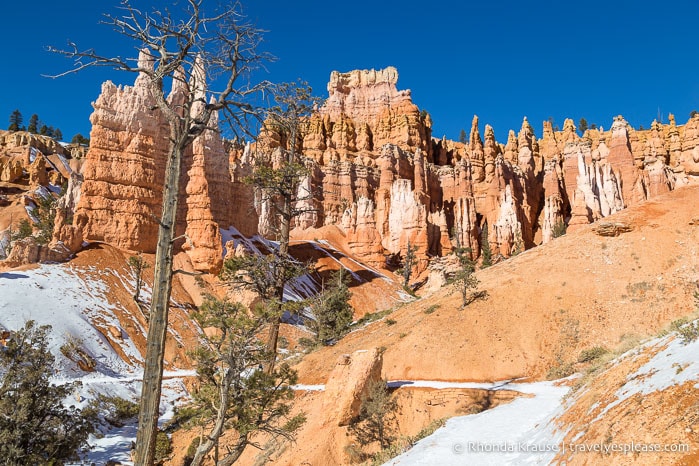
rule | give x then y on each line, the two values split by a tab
121	197
376	174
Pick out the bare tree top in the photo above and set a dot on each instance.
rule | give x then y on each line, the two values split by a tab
188	47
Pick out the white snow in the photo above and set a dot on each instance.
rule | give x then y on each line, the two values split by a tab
60	295
308	388
232	234
525	432
505	435
439	385
673	363
56	295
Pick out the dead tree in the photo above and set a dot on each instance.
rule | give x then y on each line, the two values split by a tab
183	48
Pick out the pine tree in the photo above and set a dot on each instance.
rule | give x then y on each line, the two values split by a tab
138	264
33	124
464	278
35	426
58	134
15	121
24	231
331	309
377	416
235	393
45	213
582	125
76	139
183	45
281	183
408	264
462	136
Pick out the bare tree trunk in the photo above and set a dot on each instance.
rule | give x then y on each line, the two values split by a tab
284	234
285	229
211	441
157	328
235	453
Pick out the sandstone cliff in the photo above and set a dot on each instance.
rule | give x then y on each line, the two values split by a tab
386	185
124	172
381	177
526	191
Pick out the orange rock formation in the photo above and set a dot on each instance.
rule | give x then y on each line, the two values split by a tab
385	182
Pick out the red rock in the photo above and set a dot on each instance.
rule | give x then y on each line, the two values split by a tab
348	383
124	171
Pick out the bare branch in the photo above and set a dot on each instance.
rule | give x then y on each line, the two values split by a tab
184	272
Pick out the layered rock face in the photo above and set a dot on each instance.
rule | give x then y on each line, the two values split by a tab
380	176
387	184
19	154
124	172
363	112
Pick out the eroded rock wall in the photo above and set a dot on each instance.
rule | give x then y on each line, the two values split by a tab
377	174
387	183
121	196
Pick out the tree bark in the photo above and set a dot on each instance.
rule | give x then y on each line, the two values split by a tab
219	424
285	229
157	328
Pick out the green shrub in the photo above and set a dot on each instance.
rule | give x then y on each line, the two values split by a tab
398	447
377	422
331	308
24	231
593	353
307	343
559	229
283	342
688	331
428	430
371	317
36	427
45	213
431	309
163	447
192	448
560	371
74	350
118	410
390	322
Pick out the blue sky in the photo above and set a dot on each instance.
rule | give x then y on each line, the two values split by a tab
501	60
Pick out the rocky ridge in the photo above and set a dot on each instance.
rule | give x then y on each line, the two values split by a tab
383	180
387	183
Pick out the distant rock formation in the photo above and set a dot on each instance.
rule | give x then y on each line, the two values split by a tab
41	157
387	183
363	112
384	181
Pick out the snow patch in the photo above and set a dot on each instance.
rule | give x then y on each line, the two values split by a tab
507	429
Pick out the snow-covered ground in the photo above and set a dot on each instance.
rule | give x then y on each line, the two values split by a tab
498	436
674	362
525	431
57	295
60	296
